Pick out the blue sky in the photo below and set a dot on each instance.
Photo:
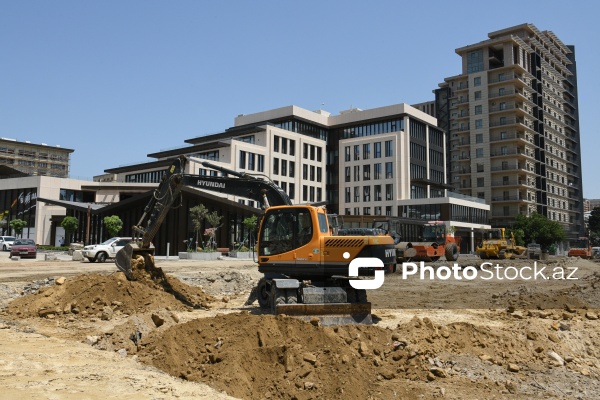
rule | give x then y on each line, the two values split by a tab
117	80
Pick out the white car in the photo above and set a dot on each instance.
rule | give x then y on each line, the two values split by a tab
101	252
6	242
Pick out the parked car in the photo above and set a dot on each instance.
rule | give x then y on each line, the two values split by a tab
6	242
24	248
534	250
105	250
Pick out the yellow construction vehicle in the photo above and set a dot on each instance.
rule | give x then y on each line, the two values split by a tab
305	267
496	245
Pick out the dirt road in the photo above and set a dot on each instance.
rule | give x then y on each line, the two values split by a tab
454	338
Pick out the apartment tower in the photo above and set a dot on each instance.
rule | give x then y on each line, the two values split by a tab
513	126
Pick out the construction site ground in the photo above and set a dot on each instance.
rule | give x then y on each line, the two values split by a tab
80	330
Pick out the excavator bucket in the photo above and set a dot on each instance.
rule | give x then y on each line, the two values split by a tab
329	314
137	262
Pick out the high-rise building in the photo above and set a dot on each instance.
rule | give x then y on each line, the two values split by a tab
513	127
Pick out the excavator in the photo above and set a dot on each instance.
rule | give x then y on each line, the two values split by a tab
305	266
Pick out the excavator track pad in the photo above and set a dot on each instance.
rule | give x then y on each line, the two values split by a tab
329	314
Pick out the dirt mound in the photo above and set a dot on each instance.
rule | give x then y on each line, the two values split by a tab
101	295
252	356
255	357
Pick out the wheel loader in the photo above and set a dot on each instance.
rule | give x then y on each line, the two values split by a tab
305	267
496	245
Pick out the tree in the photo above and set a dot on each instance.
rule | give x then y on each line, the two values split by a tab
17	225
198	214
250	225
214	220
594	220
539	229
113	224
70	225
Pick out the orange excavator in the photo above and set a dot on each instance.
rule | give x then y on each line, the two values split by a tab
305	267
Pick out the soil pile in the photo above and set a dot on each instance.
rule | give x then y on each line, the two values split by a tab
101	295
255	357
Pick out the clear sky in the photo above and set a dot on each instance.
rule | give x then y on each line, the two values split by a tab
116	80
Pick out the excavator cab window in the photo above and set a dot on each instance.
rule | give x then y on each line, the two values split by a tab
285	230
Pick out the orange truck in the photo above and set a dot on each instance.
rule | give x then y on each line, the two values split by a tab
580	248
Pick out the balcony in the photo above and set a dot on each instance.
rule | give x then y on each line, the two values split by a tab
507	152
508	167
512	135
508	198
509	182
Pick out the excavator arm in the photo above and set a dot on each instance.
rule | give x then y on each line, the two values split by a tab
257	188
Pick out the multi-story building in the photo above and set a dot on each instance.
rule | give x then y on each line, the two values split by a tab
513	126
386	161
35	159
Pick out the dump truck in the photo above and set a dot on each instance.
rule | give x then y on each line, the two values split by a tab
495	245
305	267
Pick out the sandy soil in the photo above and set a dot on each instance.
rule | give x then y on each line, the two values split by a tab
96	335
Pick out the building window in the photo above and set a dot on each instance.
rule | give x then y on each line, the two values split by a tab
366	210
389	190
366	172
377	150
377	171
479	138
357	173
478	109
347	153
377	192
275	166
480	182
304	172
292	167
366	151
283	165
480	168
478	123
478	95
284	143
348	195
356	194
292	147
347	174
242	161
261	163
479	153
366	193
251	157
475	62
389	170
276	143
477	81
388	148
356	153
